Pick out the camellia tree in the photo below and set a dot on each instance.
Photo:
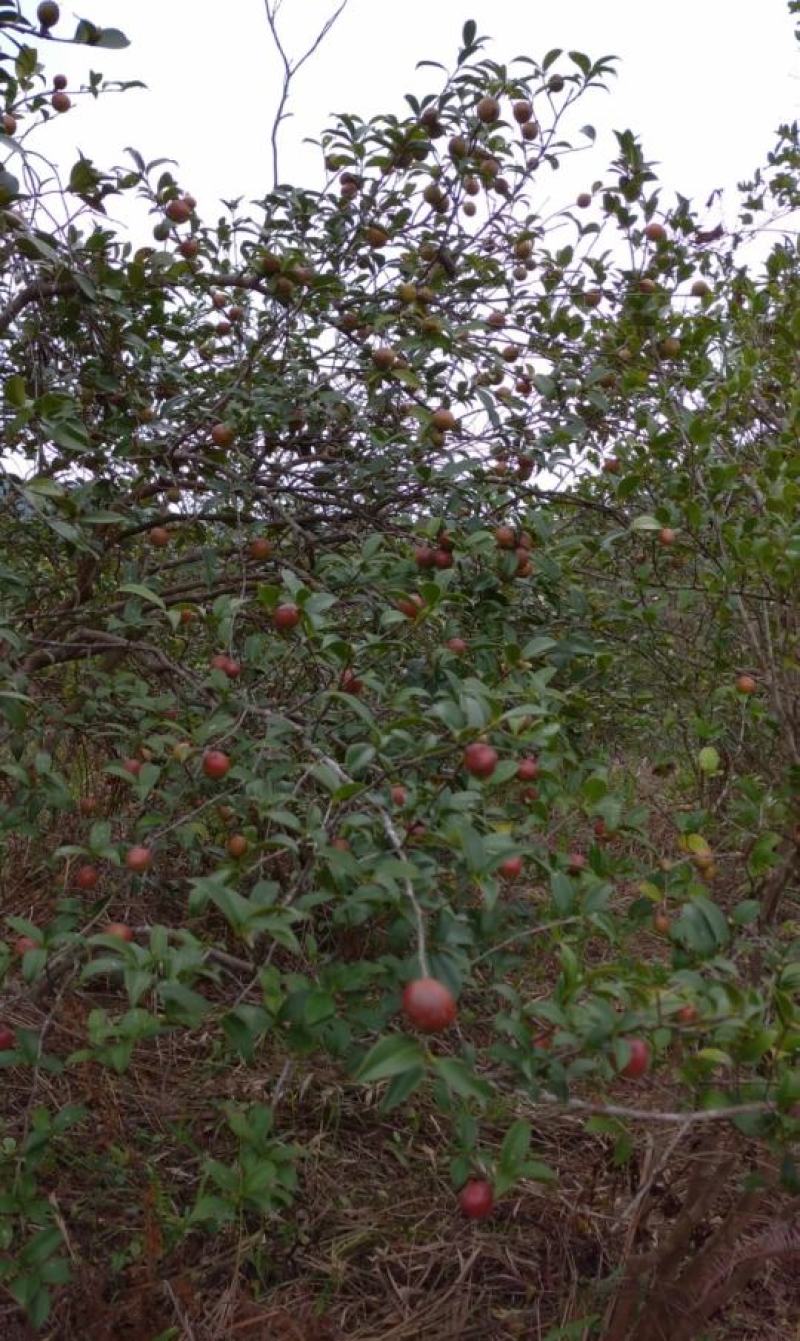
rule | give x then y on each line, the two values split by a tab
399	655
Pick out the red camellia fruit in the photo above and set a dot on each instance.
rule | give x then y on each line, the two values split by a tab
178	211
667	536
476	1199
138	859
528	769
456	645
442	558
505	537
285	617
576	862
423	556
60	81
132	766
119	930
429	1005
611	465
350	682
638	1059
511	868
399	795
687	1014
410	606
745	684
215	764
86	877
480	760
60	101
8	1038
260	548
23	944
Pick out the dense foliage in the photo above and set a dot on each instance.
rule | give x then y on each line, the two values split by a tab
397	584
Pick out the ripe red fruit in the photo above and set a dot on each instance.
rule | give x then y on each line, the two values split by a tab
86	877
687	1014
399	795
350	682
429	1005
221	661
237	845
222	435
8	1038
505	537
9	124
132	766
59	81
476	1199
215	764
285	617
511	868
260	548
138	859
442	558
158	536
576	862
638	1059
528	769
410	606
178	211
23	944
119	930
584	200
611	465
189	248
480	760
424	556
655	232
745	684
48	13
667	536
457	645
60	101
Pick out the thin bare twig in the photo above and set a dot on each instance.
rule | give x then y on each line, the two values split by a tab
290	69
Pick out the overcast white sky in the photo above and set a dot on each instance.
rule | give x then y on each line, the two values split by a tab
705	82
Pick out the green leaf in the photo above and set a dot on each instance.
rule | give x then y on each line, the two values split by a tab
516	1144
390	1057
461	1079
146	594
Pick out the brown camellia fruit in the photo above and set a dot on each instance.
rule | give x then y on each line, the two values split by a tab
457	646
700	289
222	435
480	759
655	232
670	347
260	548
584	200
687	1014
443	420
158	536
476	1199
87	805
86	877
429	1005
138	859
48	13
488	110
384	358
661	923
350	683
59	81
285	617
237	845
638	1059
189	248
9	124
611	465
215	764
60	101
132	766
667	536
555	83
522	110
178	211
505	537
745	684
